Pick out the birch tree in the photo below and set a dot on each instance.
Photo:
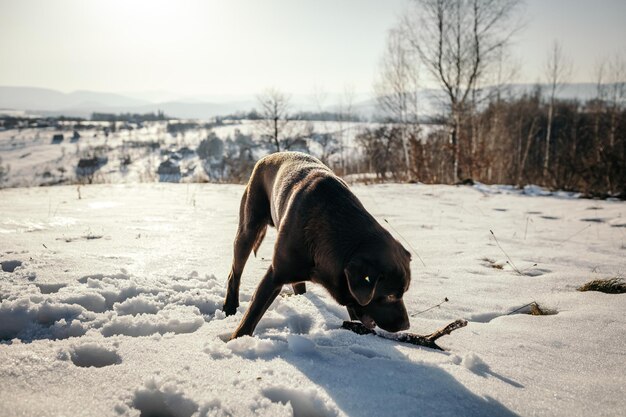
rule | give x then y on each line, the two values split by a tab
557	70
456	41
396	89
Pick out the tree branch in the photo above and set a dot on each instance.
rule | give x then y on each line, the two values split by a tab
414	339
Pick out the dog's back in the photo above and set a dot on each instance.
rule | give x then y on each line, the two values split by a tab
281	175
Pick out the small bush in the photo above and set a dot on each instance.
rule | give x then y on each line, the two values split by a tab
608	286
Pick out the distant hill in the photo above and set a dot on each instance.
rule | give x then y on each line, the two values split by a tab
83	103
37	99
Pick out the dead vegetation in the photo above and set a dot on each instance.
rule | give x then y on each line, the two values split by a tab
492	263
536	310
609	286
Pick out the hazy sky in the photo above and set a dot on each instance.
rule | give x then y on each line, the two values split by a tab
242	47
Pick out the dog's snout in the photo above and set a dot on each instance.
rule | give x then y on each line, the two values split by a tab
391	317
395	326
404	325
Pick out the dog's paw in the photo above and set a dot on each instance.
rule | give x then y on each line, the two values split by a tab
229	309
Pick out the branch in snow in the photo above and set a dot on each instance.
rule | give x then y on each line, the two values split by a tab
414	339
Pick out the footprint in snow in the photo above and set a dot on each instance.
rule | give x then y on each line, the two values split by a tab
49	288
593	220
162	401
535	272
10	266
92	354
306	402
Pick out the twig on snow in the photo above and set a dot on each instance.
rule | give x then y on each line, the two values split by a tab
414	339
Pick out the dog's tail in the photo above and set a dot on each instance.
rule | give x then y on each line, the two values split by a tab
259	239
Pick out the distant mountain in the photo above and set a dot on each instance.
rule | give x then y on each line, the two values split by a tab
430	102
433	102
42	99
83	103
154	96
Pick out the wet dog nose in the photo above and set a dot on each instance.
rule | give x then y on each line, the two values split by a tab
396	326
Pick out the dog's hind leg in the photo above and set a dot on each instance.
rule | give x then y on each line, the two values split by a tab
299	288
253	221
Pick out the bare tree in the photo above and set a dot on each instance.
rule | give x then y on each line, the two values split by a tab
598	105
608	107
326	139
483	144
615	92
396	88
274	115
346	115
456	41
382	147
557	70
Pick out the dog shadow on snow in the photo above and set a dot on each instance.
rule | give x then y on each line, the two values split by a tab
371	377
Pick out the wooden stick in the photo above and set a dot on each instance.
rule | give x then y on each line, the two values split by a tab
414	339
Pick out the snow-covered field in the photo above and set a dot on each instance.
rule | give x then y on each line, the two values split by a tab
30	158
111	296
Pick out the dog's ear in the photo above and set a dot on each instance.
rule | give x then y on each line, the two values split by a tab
361	285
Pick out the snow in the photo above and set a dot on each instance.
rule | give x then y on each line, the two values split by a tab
92	354
29	157
110	304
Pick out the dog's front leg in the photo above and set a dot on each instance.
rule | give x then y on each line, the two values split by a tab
352	314
265	293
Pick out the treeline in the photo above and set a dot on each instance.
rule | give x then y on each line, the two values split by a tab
585	149
129	117
483	134
497	137
317	116
23	122
505	142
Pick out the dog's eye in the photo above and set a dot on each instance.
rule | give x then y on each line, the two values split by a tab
391	297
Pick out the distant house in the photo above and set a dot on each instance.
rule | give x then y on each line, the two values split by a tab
57	139
169	171
87	167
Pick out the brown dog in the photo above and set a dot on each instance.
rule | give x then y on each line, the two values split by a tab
326	236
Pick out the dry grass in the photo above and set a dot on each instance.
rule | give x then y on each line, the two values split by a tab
492	263
608	286
536	310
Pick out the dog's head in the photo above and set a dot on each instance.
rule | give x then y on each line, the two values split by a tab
377	280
